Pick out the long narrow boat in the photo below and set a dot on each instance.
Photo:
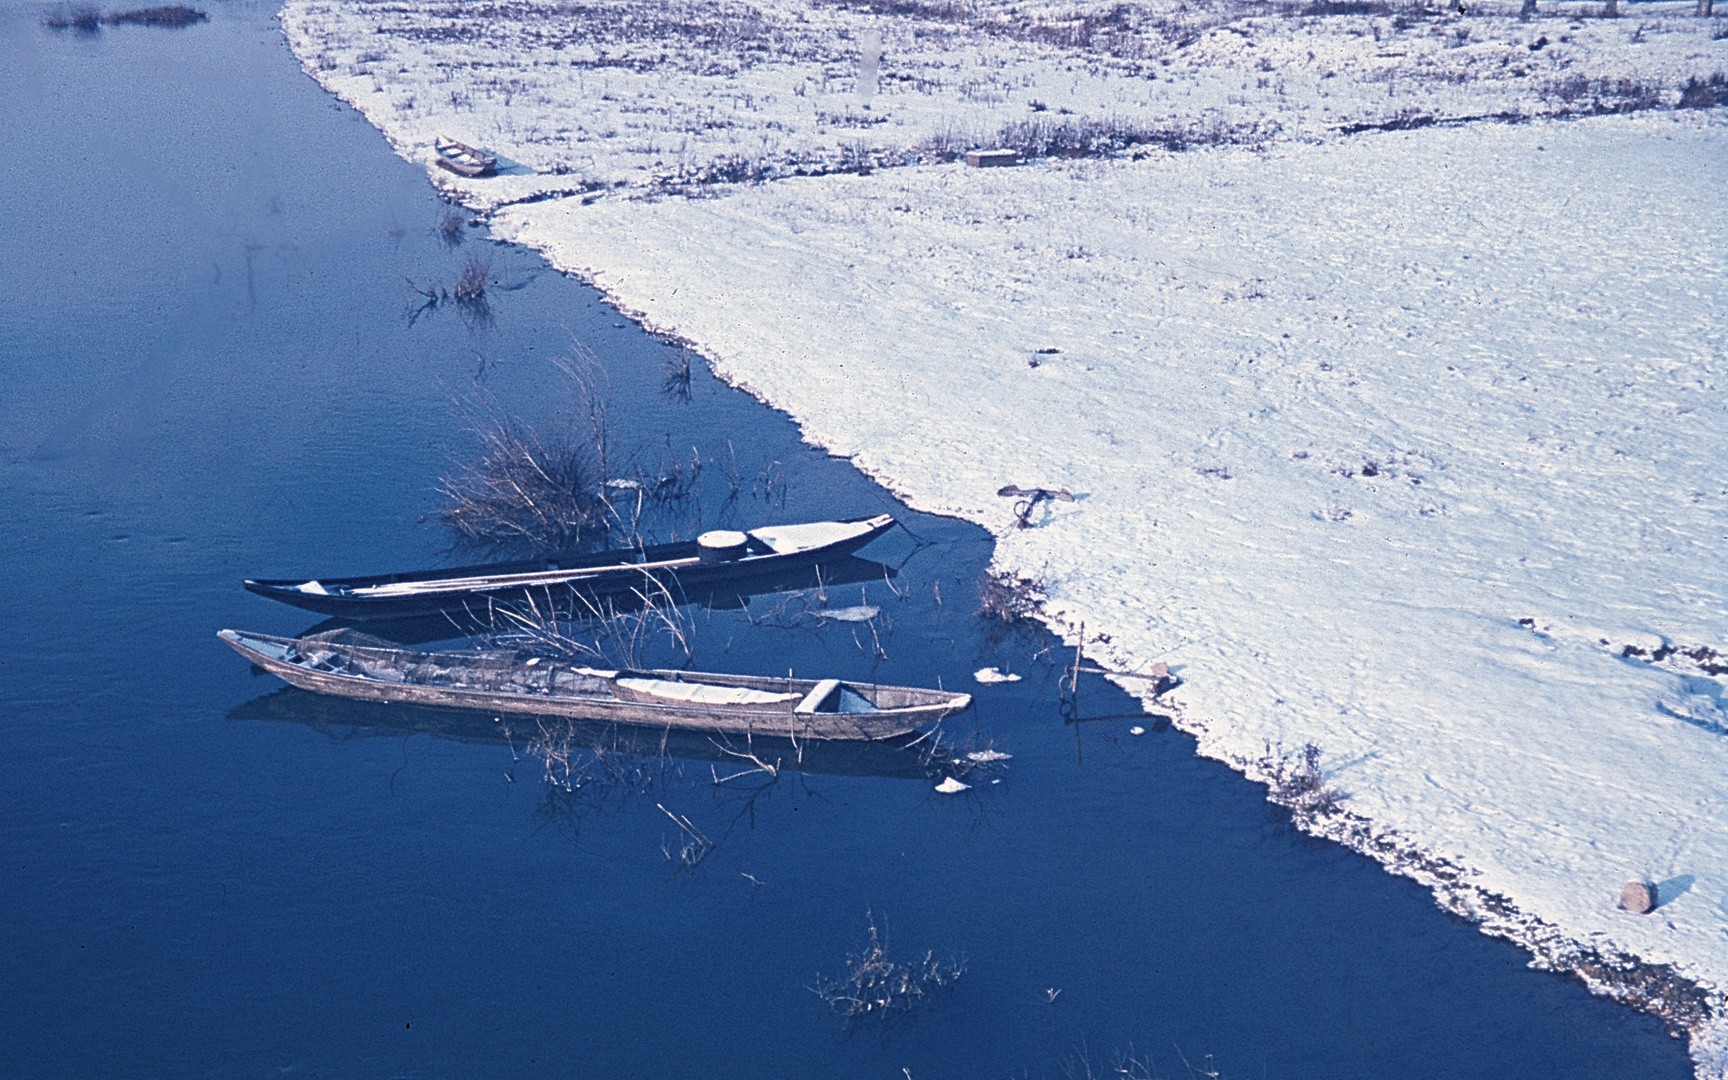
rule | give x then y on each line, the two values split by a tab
686	568
357	666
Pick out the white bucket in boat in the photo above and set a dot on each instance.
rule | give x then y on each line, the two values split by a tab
721	545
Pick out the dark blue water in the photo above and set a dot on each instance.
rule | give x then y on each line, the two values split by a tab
210	374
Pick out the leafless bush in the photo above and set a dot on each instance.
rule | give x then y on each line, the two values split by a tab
471	282
88	20
1009	597
1048	136
677	371
946	144
1299	784
173	16
525	492
449	228
1347	7
1589	97
1704	93
878	990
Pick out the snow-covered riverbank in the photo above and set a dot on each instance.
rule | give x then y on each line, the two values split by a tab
1394	442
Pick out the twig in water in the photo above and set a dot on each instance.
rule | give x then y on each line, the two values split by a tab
696	846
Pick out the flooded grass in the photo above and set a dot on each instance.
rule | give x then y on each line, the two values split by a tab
878	990
525	492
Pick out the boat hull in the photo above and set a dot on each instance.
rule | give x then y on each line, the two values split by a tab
907	709
617	578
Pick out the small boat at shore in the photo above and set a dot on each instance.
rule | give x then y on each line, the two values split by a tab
358	666
686	568
464	159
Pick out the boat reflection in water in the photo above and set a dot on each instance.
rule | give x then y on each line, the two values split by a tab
918	757
590	769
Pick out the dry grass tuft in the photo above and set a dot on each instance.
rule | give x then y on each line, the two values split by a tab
525	492
471	282
89	21
876	989
1299	784
1009	597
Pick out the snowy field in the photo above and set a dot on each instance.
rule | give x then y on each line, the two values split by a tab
1410	443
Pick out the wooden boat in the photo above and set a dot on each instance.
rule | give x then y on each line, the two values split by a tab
685	569
464	159
359	666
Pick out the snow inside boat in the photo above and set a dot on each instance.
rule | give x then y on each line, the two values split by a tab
353	665
713	559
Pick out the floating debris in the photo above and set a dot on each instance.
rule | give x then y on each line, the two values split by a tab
861	613
983	757
1136	730
992	675
951	786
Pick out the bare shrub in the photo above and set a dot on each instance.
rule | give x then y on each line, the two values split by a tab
449	228
1704	93
1589	97
524	492
470	292
471	282
88	20
173	17
1299	784
1046	136
1347	7
677	374
1008	597
875	989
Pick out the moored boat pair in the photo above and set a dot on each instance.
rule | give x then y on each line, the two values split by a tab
359	666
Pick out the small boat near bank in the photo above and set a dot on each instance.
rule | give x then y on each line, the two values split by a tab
462	159
686	568
358	666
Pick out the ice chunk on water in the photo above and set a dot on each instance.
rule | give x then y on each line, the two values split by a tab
992	675
951	786
861	613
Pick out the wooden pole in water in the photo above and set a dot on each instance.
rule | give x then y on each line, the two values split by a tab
1074	690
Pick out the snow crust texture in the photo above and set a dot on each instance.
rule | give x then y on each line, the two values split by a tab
1410	444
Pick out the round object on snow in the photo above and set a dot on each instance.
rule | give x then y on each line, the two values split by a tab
721	545
1638	898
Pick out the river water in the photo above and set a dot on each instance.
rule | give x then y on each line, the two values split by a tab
214	371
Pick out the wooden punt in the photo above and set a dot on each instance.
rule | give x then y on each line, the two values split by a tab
359	666
463	159
685	569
